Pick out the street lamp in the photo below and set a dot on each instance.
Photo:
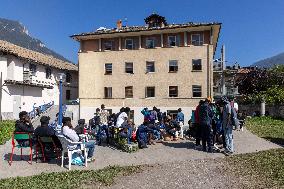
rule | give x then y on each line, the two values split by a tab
61	78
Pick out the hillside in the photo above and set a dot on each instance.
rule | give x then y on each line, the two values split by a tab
270	62
14	32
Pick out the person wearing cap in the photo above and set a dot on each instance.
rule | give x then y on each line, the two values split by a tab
180	121
69	133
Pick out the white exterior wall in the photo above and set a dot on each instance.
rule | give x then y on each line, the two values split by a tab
13	69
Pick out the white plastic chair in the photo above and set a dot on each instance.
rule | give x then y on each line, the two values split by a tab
71	148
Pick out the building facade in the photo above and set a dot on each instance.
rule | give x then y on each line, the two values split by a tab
29	80
167	66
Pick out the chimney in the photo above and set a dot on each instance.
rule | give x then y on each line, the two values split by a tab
119	24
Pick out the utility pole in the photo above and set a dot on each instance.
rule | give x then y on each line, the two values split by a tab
223	62
1	96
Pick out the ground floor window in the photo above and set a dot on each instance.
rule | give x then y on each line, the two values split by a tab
108	92
172	113
196	91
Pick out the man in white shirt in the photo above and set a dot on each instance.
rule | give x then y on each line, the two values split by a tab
122	116
68	132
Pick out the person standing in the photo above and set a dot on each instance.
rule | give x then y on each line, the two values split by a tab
197	125
206	116
180	121
227	126
104	115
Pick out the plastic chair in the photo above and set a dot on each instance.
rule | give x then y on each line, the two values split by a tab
42	142
71	148
21	136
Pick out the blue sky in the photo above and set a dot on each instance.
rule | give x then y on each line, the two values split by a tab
251	29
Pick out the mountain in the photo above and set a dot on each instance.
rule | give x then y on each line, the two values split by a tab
16	33
270	62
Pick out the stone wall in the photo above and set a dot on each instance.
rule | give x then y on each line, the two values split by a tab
272	110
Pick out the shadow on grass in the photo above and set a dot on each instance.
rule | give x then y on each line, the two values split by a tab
279	141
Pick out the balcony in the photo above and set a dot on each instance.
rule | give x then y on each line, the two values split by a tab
30	80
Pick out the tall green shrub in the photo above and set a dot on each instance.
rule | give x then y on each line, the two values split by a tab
6	130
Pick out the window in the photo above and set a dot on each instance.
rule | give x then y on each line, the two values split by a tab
68	77
150	43
172	41
150	66
196	64
47	73
197	39
173	91
129	44
108	45
68	94
172	113
150	92
108	69
109	111
32	68
129	67
108	92
173	66
196	91
129	92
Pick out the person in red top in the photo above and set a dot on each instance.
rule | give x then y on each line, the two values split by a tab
197	124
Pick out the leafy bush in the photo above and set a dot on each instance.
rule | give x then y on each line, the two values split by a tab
6	131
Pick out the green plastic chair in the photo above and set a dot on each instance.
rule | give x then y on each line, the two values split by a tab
21	136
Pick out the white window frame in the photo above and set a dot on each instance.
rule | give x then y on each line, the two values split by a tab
147	67
132	67
146	96
105	68
132	44
196	60
108	92
150	39
174	40
197	91
200	42
125	91
170	61
169	91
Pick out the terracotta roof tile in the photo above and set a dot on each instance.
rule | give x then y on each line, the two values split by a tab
36	56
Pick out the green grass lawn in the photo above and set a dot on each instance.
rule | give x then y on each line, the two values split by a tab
268	128
266	166
69	179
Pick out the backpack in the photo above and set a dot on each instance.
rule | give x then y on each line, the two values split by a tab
77	159
234	117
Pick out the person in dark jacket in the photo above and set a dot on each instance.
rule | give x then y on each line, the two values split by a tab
80	128
45	131
24	125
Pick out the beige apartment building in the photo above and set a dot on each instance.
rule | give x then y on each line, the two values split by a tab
164	65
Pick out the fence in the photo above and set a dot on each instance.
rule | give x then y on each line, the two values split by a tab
40	109
271	110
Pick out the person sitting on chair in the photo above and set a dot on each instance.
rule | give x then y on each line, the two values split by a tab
69	133
45	131
24	125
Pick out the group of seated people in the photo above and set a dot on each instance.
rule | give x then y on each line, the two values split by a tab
24	125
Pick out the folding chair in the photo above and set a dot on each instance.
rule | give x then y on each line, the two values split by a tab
42	143
71	148
21	136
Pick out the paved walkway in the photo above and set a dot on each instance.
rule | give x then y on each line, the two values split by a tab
166	152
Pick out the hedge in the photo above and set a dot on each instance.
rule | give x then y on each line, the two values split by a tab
6	130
